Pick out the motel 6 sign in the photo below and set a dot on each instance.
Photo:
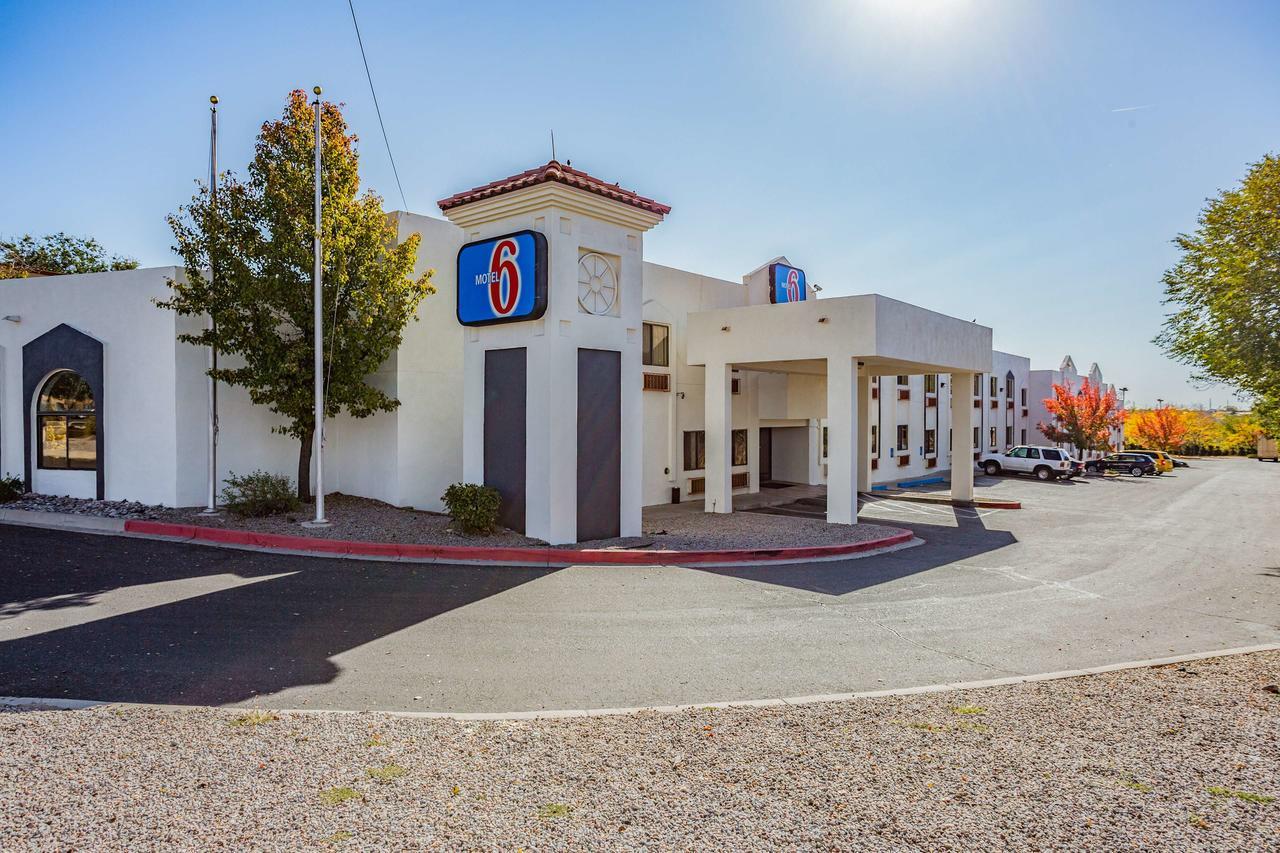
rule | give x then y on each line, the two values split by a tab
786	284
502	279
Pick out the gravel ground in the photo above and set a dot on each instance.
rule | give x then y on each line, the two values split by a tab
370	520
82	506
1176	757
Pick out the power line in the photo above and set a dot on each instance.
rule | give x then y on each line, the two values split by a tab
378	109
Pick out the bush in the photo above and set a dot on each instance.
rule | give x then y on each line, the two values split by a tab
11	488
259	494
473	507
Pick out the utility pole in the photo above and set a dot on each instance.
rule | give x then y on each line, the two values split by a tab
211	504
318	431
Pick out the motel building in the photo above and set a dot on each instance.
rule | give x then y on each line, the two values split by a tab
554	363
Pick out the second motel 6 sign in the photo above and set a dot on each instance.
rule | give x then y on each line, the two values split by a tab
786	284
502	279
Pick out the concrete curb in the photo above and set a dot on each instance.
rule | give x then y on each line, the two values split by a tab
454	554
36	703
549	557
62	521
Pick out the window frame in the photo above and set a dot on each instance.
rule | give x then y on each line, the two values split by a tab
44	414
647	346
695	440
931	442
733	444
904	438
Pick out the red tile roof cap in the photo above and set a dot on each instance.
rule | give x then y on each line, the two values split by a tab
559	173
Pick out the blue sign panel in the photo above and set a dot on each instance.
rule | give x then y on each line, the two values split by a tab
786	284
502	279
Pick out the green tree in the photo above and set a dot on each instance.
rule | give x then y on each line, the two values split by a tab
1225	290
257	239
57	254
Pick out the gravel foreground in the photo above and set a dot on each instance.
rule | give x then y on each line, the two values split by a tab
1179	757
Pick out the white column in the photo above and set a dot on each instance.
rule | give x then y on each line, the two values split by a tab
814	475
864	433
842	442
718	423
962	435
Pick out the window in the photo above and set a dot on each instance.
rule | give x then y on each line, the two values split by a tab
977	438
68	423
977	384
1033	453
695	450
1008	435
995	386
1024	433
993	436
931	383
930	441
875	440
1024	400
904	436
739	447
1054	455
825	434
1018	453
904	380
1008	386
654	346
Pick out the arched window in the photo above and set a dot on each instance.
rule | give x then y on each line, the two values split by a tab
67	422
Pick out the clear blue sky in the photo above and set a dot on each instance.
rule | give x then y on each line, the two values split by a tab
1024	164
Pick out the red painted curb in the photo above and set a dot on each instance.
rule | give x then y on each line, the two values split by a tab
542	556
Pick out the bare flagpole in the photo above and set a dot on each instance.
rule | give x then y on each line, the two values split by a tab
318	431
211	507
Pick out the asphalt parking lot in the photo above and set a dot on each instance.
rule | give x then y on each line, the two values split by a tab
1090	572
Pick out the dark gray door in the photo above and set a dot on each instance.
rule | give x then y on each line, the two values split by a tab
505	393
766	454
599	443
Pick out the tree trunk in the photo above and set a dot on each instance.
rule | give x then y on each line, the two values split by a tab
304	467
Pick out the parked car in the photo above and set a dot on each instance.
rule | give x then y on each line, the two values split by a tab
1135	464
1046	463
1164	462
1180	463
1268	448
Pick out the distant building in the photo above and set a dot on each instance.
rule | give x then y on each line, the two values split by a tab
1042	382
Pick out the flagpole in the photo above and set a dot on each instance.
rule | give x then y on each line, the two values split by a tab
318	299
211	507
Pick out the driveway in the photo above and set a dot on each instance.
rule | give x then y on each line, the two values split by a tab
1090	572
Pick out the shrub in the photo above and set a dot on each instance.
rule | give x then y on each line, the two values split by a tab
11	488
473	507
258	494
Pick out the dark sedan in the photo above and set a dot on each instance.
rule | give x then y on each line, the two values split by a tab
1134	464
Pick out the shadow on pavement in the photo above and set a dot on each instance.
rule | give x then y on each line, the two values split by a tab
943	544
215	648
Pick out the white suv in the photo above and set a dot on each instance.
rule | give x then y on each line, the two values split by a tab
1047	463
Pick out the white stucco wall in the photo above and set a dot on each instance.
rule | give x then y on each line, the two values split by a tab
139	374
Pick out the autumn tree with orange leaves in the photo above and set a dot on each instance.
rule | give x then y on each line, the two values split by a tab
1165	428
1083	419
